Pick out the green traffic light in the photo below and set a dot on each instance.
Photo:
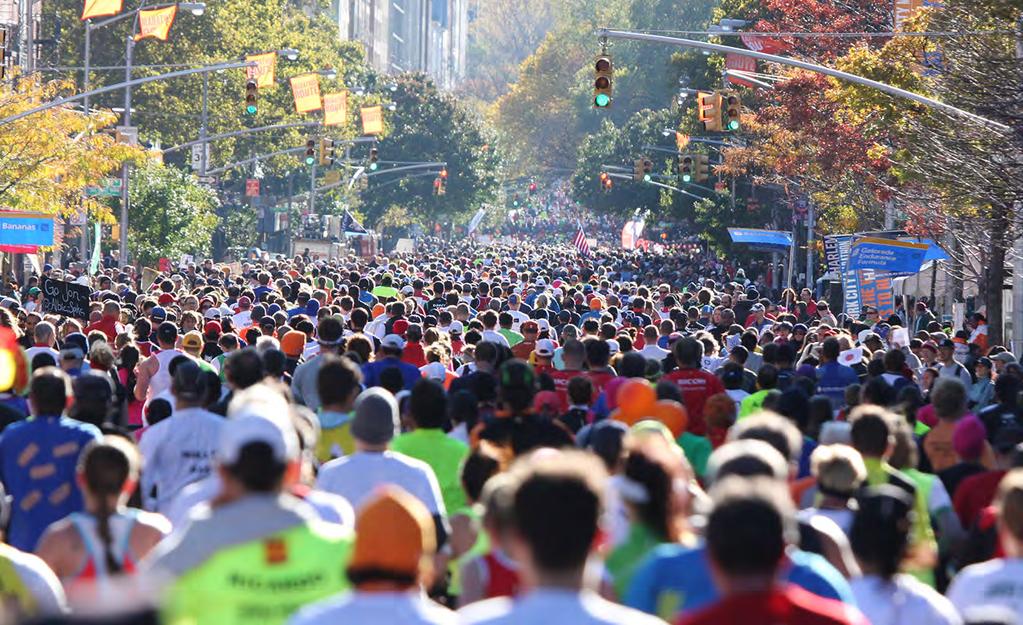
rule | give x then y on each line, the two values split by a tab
733	124
309	160
687	178
373	166
646	178
251	109
602	100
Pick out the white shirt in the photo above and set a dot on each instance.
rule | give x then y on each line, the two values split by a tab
40	582
902	601
242	320
518	318
355	477
373	608
545	606
329	507
31	352
176	452
495	337
995	582
651	351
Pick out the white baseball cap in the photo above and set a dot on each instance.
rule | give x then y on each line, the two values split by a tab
545	348
434	371
238	432
393	341
456	327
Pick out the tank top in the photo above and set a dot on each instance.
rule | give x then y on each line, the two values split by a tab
161	381
502	576
14	594
95	565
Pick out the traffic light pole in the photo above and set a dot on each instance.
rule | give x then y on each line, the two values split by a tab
204	151
606	33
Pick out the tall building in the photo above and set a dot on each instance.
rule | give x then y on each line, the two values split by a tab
410	35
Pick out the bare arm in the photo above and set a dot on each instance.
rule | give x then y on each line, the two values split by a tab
144	373
59	549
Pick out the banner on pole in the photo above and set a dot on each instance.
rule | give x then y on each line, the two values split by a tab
887	256
31	229
904	9
740	63
97	236
306	90
372	120
263	72
476	220
335	108
156	23
101	8
875	290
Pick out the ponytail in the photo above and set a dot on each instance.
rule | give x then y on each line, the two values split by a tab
103	514
106	466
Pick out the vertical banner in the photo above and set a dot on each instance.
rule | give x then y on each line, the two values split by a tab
372	120
306	89
263	72
837	249
156	23
101	8
740	63
876	290
335	108
97	236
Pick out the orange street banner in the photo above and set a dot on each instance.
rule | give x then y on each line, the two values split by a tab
904	9
306	89
263	71
156	23
101	8
372	120
335	108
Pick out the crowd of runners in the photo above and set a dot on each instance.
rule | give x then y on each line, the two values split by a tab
519	435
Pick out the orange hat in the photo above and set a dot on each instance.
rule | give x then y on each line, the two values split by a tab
378	309
192	341
394	534
596	304
293	343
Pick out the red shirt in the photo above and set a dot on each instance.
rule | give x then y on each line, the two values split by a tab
414	354
599	379
974	494
561	379
107	325
696	385
788	605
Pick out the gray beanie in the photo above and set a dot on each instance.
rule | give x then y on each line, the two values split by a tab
376	417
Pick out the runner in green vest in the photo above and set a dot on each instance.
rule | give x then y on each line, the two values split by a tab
257	555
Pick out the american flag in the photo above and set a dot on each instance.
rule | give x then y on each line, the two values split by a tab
580	242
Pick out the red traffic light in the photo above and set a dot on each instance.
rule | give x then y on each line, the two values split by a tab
444	173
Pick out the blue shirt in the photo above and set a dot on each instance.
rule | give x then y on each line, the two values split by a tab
832	380
371	372
675	580
37	466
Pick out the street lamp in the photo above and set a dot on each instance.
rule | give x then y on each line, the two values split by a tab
290	54
329	73
392	106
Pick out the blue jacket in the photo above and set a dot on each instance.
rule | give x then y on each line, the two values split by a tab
832	380
371	372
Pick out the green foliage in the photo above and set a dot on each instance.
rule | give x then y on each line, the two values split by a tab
430	126
171	214
503	34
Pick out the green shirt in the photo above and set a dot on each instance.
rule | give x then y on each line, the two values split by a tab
624	559
753	403
262	582
697	450
513	337
444	455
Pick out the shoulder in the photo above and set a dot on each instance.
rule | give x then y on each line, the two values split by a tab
151	522
833	611
928	602
490	611
327	611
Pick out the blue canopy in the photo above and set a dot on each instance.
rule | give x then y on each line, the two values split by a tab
768	239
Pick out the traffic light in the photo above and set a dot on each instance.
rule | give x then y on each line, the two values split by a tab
515	200
709	110
532	188
443	178
648	170
701	172
5	44
310	152
686	167
602	79
374	156
733	110
637	170
328	151
250	97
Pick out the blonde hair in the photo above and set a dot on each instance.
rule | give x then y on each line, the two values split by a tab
838	468
1009	503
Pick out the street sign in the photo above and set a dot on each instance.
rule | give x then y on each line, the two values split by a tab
128	135
196	160
207	179
279	209
251	187
110	187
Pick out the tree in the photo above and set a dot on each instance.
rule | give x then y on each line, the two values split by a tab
430	126
171	214
49	158
502	35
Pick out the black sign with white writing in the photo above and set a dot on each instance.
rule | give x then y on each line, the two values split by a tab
66	298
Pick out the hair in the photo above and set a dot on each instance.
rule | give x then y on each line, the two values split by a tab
879	535
580	390
688	352
871	430
478	468
257	468
244	368
948	395
49	391
653	477
106	466
1009	503
839	469
337	379
750	525
776	431
429	404
557	509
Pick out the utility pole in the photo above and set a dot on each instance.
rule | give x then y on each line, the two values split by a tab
312	189
1016	337
810	217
